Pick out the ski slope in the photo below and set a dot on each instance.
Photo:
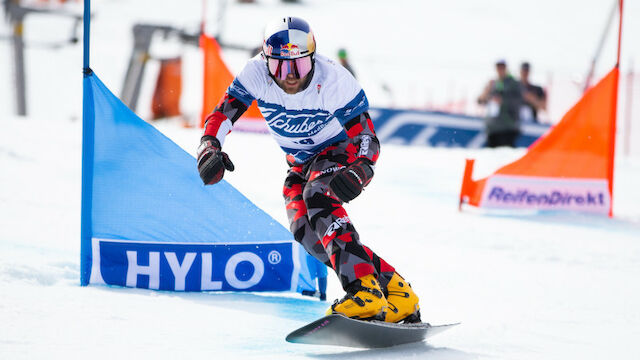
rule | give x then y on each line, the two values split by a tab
524	286
551	286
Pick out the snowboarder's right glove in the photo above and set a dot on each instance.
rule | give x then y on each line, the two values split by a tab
212	161
349	182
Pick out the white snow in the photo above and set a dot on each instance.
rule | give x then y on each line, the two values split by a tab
524	286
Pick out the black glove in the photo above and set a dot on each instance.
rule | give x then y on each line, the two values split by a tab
349	182
212	161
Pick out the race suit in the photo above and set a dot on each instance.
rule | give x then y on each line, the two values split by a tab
322	129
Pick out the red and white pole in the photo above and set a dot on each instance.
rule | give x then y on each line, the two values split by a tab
614	108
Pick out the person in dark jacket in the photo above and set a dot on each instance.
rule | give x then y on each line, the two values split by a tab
534	98
502	97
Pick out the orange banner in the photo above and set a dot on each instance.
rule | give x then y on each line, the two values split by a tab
166	96
217	78
570	168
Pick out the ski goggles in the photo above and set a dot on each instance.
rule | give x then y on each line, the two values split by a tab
299	67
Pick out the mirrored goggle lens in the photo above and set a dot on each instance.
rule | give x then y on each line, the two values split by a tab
299	67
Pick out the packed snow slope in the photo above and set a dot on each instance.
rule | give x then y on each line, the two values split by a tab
527	286
524	286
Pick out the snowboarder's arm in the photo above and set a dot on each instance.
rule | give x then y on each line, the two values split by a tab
237	99
361	128
211	160
348	183
220	122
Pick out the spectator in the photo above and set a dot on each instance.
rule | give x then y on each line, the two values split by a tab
534	99
502	98
342	56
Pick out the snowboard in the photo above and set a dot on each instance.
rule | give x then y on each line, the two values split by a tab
342	331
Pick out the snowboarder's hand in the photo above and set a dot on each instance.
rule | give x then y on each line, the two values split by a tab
212	161
349	182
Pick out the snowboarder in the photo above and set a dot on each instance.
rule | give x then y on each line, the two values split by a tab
317	112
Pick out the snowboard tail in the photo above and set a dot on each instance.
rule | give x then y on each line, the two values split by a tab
343	331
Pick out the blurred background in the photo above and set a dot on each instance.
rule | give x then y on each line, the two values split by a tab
407	54
527	285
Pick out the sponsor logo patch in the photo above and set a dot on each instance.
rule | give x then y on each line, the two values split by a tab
269	50
193	266
289	50
586	195
308	125
364	145
331	169
336	225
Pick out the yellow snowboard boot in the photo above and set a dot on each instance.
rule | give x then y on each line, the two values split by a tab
403	302
364	300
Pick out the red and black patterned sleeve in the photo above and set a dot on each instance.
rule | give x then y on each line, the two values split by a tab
361	128
220	122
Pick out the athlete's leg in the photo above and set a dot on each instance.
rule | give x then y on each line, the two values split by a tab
297	213
328	219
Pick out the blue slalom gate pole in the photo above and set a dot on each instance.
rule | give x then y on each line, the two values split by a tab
88	125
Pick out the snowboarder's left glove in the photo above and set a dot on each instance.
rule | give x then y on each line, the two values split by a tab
348	183
212	161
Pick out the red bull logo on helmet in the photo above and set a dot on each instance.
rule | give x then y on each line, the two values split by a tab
289	50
